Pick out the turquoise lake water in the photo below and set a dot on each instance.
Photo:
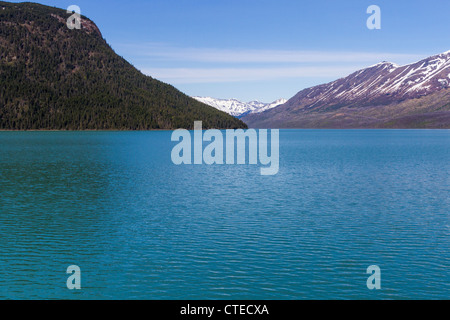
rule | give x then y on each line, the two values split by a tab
140	227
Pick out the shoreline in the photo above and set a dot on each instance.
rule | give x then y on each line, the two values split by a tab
156	130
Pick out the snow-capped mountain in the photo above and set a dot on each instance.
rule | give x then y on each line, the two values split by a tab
237	108
381	95
272	105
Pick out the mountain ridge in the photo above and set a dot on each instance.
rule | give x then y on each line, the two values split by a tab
381	95
238	108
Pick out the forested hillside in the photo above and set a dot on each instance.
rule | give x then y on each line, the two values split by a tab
52	77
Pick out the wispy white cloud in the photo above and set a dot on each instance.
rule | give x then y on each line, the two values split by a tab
214	75
214	65
216	55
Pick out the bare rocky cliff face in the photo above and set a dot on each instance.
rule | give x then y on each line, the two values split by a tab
384	95
86	24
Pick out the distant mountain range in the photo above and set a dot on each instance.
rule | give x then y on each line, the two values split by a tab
385	95
237	108
52	77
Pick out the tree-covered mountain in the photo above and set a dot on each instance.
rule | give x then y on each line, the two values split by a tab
52	77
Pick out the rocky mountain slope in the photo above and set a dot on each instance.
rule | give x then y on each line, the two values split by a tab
381	96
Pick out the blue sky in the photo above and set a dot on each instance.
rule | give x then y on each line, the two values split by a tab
264	50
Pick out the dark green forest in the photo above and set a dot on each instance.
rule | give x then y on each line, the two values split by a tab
54	78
